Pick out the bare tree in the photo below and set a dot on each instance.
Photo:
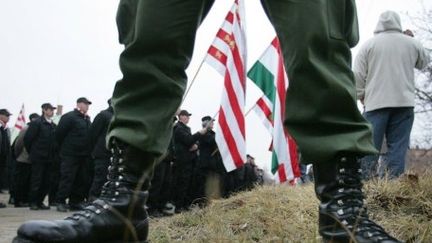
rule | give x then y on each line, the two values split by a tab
423	32
422	21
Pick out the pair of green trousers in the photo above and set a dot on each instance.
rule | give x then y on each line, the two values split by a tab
315	35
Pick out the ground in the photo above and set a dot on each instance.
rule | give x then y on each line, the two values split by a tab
278	213
11	218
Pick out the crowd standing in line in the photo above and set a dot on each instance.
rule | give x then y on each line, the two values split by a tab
69	163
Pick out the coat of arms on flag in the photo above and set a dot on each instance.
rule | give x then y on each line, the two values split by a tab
227	56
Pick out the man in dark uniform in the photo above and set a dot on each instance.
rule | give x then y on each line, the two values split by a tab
40	142
160	192
185	144
250	173
100	153
321	110
4	148
72	137
210	167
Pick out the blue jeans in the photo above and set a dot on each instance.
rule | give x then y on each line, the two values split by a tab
395	124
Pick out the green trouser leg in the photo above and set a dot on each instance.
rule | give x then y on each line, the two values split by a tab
321	109
159	37
315	36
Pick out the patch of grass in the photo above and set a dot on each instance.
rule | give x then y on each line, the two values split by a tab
283	213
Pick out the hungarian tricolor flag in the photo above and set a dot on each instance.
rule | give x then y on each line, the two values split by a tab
227	54
268	73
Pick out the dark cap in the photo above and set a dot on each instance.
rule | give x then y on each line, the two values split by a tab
84	100
184	113
47	106
5	112
207	118
33	116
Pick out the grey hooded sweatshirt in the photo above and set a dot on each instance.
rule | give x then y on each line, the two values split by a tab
384	66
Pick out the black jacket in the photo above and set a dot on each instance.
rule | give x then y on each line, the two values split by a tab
210	157
39	140
72	134
97	134
250	175
4	145
183	141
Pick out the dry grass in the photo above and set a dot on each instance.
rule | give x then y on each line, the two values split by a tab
289	214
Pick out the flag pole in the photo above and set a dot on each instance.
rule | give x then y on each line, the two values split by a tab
247	113
255	104
193	81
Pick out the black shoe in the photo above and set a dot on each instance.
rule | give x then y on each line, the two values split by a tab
34	207
76	206
118	215
155	213
21	205
91	199
42	206
179	210
11	200
61	207
2	205
342	215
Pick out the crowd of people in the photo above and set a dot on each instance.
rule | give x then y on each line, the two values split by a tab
68	162
193	171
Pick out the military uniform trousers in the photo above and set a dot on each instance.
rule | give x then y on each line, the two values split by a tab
321	109
40	181
74	179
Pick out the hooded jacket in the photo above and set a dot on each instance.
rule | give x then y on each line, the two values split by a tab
384	66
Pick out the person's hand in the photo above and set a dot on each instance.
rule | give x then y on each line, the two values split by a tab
408	32
2	124
193	148
203	131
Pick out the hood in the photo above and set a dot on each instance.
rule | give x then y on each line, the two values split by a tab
388	21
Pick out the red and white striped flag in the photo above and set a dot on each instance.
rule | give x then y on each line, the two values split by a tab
227	55
21	122
264	109
268	73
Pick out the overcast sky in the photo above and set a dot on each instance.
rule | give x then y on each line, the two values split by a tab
56	51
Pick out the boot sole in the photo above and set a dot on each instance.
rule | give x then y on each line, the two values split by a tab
19	239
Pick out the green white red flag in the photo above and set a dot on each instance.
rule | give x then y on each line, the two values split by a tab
269	74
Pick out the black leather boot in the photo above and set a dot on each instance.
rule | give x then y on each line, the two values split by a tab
118	215
342	214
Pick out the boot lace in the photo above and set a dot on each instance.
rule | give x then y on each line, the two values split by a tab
350	203
115	185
